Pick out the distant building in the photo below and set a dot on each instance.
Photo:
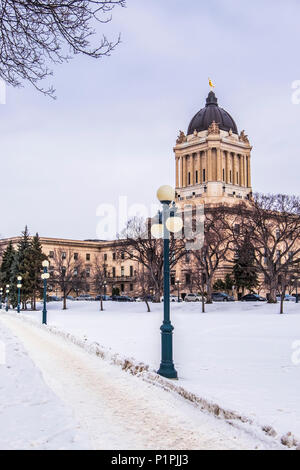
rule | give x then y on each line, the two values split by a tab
213	166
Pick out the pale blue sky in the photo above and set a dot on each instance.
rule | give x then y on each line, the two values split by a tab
112	129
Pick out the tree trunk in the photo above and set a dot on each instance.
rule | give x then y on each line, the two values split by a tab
203	304
209	292
281	304
148	306
65	302
272	297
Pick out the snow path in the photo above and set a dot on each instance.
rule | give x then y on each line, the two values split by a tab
119	411
31	416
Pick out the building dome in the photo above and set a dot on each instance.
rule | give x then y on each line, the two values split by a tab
205	117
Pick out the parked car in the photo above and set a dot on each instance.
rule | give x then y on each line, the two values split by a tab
54	298
173	298
252	298
122	298
193	298
70	297
287	298
104	297
84	297
222	297
141	298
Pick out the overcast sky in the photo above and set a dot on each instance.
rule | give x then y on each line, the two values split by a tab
112	129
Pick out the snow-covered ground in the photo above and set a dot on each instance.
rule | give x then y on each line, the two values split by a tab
116	410
239	355
32	417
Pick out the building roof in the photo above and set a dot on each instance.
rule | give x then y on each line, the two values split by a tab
212	112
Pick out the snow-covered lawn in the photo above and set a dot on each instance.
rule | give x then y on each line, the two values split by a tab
31	415
238	355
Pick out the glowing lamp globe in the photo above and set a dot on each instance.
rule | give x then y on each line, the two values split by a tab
19	278
19	286
174	224
45	263
157	231
166	194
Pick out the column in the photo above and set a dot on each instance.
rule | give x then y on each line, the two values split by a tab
226	167
184	171
219	165
200	167
193	169
181	171
177	172
209	167
249	171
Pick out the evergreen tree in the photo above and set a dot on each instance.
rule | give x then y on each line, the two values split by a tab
21	266
244	271
35	258
6	265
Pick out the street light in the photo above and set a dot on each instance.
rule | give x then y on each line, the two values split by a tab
166	195
178	288
45	276
1	294
7	299
19	285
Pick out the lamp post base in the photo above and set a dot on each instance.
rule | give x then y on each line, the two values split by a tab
167	368
168	371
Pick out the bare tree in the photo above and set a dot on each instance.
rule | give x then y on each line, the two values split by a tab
145	284
99	278
199	281
35	32
68	273
217	240
272	222
140	246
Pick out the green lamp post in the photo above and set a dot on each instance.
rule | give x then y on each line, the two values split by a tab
19	286
167	224
7	299
45	276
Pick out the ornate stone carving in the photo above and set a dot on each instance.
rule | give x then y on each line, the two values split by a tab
230	132
214	128
181	138
244	137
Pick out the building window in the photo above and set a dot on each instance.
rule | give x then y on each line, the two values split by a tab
122	271
204	176
63	255
114	256
51	254
114	272
75	272
172	279
196	176
122	255
131	271
189	178
88	272
75	256
88	257
131	287
188	279
105	256
122	288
